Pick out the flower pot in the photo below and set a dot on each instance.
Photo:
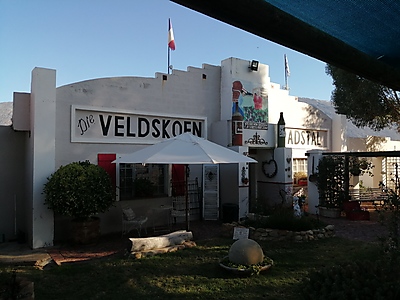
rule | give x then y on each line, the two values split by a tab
329	212
85	231
245	271
302	182
355	172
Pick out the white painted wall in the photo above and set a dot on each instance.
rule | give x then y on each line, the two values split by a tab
42	152
339	133
234	69
298	115
21	111
370	143
182	94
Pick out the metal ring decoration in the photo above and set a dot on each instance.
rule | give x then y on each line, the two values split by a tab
269	162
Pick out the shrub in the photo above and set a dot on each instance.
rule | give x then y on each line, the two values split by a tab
79	190
357	280
331	181
389	215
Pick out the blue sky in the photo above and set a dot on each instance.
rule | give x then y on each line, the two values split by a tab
83	39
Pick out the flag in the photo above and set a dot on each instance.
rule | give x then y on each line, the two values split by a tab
287	71
171	40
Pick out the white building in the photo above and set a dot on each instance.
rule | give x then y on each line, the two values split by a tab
96	120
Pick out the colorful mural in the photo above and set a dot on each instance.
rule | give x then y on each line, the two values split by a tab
249	109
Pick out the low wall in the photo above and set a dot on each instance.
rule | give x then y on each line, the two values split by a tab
267	234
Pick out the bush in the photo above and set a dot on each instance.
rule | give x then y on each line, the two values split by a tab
331	181
79	190
358	280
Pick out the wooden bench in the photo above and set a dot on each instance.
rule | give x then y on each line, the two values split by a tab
369	197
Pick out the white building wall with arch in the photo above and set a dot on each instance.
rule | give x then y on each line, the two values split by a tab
50	139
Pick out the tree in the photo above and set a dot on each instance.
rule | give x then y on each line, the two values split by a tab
364	102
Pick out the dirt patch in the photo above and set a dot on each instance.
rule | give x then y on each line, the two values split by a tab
367	231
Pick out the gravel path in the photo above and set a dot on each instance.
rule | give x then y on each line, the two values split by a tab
368	231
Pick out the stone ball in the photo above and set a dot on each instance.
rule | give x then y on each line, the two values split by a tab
246	252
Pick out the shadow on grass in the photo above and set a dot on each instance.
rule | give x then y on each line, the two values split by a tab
194	273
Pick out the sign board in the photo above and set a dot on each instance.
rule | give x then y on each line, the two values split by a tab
260	138
306	138
107	125
240	233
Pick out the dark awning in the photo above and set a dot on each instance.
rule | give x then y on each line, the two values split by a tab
361	36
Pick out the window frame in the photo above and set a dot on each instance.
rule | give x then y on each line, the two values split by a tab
165	173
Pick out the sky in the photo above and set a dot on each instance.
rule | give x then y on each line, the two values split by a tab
87	39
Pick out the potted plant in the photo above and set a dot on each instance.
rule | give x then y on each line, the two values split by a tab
354	166
80	190
360	166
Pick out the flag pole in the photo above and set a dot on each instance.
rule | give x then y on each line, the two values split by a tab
286	82
171	43
169	53
285	63
287	72
169	48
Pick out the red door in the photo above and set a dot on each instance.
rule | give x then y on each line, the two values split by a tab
105	161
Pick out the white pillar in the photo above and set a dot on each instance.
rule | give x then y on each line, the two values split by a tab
284	178
42	152
313	196
339	133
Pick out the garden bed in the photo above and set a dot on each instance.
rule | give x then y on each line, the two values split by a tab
242	270
269	234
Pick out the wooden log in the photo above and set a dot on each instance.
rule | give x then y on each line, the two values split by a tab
157	242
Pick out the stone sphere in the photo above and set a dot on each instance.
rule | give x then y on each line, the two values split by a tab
246	252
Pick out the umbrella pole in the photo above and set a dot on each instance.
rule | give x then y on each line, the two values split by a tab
186	197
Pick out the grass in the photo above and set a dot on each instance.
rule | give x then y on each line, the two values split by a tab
191	273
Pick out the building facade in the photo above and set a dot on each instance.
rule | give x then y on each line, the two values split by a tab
233	105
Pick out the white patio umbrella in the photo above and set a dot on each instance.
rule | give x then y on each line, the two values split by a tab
186	149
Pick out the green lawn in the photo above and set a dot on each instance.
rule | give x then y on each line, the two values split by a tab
192	273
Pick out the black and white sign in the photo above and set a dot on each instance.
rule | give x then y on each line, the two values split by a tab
306	138
108	126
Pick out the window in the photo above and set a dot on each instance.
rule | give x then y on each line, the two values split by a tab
299	165
299	168
156	174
